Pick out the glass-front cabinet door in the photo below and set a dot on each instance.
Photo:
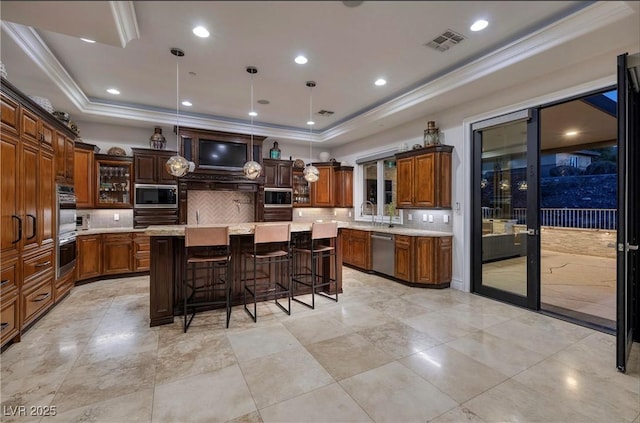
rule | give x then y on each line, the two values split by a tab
113	178
301	190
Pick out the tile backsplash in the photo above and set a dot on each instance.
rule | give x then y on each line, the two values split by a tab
220	207
105	218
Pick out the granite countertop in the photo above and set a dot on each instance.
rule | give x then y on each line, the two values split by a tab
107	231
247	229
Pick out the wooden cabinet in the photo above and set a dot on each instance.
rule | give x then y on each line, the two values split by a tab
344	186
277	173
117	253
334	187
89	257
145	217
404	257
301	189
424	178
84	175
64	151
27	194
114	183
322	191
149	166
112	254
141	251
356	248
63	286
433	260
278	215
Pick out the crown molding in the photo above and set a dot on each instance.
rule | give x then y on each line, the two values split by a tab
34	46
571	27
124	16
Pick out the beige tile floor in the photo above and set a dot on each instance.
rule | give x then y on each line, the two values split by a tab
384	353
578	282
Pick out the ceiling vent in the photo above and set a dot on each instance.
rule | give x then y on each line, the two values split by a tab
325	113
446	40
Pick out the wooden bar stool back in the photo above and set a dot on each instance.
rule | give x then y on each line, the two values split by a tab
271	271
207	260
313	267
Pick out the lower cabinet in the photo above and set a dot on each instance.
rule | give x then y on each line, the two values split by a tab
36	299
10	316
89	260
356	248
404	257
433	260
112	254
117	253
64	285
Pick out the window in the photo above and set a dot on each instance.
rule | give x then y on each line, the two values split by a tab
379	187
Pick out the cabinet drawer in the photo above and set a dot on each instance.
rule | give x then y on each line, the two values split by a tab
9	275
37	265
123	237
142	242
37	300
142	263
10	317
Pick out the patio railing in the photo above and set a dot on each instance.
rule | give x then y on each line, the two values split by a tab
564	218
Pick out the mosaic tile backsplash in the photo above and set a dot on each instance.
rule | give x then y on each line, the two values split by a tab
220	207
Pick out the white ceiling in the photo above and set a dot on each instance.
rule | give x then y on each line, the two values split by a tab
348	48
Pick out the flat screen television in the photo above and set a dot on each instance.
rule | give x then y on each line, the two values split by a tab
222	154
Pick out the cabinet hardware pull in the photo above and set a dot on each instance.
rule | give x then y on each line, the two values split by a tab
34	226
46	263
4	282
4	326
41	297
19	228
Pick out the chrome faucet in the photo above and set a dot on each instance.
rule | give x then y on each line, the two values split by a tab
369	203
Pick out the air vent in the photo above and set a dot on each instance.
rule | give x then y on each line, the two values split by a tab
325	113
446	40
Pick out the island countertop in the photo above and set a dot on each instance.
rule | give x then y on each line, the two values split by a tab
248	228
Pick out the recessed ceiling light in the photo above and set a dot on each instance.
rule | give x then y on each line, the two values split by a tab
479	25
310	122
87	40
380	82
113	91
253	113
187	103
301	60
201	31
571	133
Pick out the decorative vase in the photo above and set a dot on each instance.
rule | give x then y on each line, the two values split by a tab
324	156
274	153
157	141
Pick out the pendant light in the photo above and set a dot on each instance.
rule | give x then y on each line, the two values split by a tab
177	165
252	169
310	172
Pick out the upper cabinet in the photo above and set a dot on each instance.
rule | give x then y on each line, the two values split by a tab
150	168
113	176
64	152
84	176
334	187
424	177
277	173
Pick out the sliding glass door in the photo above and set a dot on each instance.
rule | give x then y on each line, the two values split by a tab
505	202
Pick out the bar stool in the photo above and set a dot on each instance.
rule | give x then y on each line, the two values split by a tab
323	245
207	257
271	248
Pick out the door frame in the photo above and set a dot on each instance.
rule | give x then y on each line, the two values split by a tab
532	299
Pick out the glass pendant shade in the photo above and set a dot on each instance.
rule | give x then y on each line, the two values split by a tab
252	169
311	173
177	166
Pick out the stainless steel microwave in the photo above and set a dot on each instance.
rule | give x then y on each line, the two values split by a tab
148	196
278	197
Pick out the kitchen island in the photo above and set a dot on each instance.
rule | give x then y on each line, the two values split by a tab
167	264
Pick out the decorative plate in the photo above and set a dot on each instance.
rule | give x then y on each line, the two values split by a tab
299	163
116	151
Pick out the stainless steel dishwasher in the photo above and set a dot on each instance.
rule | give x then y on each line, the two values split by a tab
383	253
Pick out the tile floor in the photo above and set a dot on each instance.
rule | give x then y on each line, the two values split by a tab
384	353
